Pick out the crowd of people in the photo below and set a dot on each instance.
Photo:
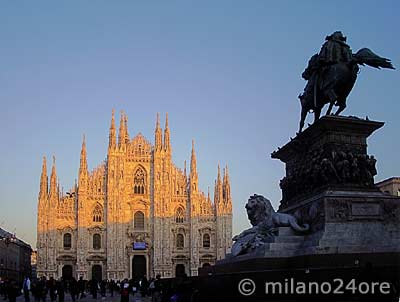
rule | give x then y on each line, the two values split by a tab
45	290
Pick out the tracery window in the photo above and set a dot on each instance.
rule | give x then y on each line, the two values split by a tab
180	241
139	181
67	241
206	240
96	241
98	213
179	215
138	220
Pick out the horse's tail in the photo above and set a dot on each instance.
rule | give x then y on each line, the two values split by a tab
366	56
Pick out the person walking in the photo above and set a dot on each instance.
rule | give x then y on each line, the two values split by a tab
103	288
112	286
73	288
81	287
93	288
144	285
61	289
12	291
51	285
26	288
34	291
125	291
156	290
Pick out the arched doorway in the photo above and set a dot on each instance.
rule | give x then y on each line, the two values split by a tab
179	270
138	267
97	273
67	272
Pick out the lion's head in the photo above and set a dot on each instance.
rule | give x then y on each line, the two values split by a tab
258	209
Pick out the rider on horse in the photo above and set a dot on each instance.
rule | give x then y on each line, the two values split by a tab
333	51
331	75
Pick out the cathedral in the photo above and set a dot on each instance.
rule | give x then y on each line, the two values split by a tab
135	214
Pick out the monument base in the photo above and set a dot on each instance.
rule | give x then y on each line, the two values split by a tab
354	229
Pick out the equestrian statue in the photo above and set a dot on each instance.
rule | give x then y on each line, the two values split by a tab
331	75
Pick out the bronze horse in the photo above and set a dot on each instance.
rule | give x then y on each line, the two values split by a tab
332	84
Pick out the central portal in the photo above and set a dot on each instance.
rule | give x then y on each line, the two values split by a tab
138	267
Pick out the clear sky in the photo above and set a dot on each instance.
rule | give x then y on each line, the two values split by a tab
227	72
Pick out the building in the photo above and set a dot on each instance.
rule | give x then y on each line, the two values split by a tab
390	186
135	214
33	265
15	257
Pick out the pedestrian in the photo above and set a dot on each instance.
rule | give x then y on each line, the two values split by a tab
34	291
103	285
93	288
51	285
61	289
156	290
111	286
125	291
81	287
12	291
73	288
42	289
144	285
26	288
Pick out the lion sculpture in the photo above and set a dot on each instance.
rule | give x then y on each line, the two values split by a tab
265	222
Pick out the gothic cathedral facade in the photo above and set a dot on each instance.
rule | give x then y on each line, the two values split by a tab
135	214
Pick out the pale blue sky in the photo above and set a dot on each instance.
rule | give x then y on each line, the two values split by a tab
228	73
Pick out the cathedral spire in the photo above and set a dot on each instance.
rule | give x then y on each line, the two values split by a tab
218	192
53	179
83	163
227	187
167	142
112	138
219	175
158	135
193	171
216	197
122	130
193	161
83	167
43	181
58	188
184	169
126	129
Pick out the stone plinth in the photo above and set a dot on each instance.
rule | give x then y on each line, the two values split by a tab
330	153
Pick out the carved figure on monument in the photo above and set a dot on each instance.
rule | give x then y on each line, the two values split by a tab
331	75
265	222
320	168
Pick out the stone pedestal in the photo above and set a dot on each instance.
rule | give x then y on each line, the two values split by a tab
329	184
354	227
330	153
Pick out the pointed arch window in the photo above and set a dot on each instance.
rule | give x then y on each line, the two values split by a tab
180	241
139	181
138	220
206	240
67	241
98	213
179	215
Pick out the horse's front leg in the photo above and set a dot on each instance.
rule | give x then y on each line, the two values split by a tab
342	106
302	118
328	112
